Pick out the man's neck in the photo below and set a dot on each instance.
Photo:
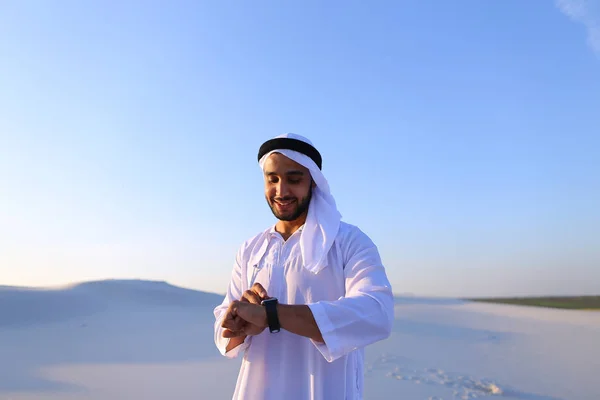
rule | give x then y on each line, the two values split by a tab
287	228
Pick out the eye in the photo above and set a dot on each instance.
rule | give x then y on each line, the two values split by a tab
273	180
294	181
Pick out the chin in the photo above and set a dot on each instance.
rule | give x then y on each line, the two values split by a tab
285	217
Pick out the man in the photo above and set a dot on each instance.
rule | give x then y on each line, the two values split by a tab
306	295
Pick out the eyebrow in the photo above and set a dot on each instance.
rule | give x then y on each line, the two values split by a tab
288	173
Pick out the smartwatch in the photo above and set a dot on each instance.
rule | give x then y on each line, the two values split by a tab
272	318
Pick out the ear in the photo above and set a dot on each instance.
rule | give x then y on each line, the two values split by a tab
314	184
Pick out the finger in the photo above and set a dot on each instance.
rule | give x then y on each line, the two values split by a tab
259	290
231	310
230	313
230	316
227	319
251	297
227	323
251	313
234	324
231	334
238	323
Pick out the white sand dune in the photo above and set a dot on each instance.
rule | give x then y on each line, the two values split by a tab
151	340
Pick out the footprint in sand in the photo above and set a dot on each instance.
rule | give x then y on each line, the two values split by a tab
465	387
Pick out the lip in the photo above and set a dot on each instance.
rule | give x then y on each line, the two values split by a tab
284	206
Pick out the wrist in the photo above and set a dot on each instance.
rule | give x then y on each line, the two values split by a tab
265	317
271	313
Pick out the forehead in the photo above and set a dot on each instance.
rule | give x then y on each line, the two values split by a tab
280	164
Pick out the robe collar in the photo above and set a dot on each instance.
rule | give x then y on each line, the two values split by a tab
259	249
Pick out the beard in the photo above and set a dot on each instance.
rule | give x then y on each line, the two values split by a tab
301	207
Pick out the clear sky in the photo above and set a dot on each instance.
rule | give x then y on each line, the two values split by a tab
463	136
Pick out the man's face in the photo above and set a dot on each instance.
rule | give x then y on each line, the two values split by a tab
288	187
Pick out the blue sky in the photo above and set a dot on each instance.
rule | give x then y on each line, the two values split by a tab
463	137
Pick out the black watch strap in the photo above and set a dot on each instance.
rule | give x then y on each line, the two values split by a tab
272	317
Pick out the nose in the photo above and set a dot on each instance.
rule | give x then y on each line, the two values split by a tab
281	189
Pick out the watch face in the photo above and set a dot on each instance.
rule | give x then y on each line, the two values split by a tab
271	300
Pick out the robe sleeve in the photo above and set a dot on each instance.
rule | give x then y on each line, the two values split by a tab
234	292
365	314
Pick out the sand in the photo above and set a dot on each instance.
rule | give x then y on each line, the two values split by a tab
151	340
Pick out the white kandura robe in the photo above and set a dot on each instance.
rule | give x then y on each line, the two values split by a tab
351	300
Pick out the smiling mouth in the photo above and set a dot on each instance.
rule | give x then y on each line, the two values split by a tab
284	203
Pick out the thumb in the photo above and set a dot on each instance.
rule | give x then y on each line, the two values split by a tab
260	290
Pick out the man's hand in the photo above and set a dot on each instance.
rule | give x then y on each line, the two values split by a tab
235	324
247	319
255	295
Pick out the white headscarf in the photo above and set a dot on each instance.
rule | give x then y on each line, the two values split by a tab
323	218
